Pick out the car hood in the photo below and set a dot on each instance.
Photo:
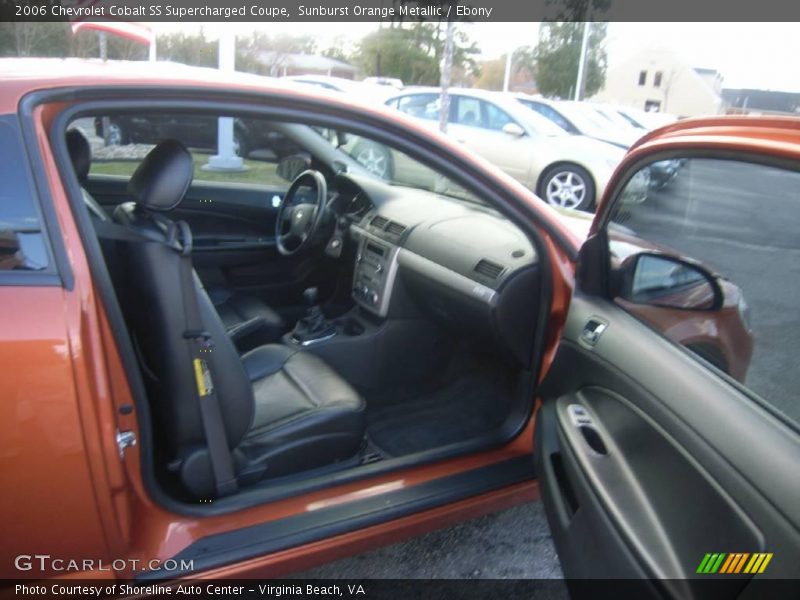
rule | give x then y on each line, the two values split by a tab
585	148
621	139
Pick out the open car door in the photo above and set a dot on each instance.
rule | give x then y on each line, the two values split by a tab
667	445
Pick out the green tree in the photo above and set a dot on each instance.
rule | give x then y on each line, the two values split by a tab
557	55
34	39
189	49
266	54
413	53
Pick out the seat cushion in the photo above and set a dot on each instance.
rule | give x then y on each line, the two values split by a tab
305	414
248	321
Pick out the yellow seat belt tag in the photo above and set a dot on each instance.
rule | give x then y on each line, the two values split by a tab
202	377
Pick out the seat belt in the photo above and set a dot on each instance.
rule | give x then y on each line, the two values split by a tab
198	343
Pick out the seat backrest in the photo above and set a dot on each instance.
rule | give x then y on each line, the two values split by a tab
151	295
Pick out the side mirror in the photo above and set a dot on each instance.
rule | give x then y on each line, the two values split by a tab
669	282
289	167
513	129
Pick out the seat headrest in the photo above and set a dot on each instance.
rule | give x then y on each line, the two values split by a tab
80	152
161	180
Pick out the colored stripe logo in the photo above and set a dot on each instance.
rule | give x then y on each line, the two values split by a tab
734	562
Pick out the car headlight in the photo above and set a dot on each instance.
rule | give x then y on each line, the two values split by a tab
744	312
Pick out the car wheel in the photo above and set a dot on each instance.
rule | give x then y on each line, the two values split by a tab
567	186
240	146
375	158
116	135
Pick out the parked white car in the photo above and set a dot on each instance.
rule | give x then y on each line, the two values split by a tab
646	120
564	170
363	90
581	118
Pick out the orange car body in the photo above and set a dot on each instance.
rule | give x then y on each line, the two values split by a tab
66	491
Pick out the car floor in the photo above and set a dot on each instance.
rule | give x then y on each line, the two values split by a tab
406	421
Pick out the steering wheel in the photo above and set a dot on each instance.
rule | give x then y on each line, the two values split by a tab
296	224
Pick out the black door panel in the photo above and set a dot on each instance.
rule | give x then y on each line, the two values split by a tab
649	460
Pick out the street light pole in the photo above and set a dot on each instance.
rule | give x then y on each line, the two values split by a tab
507	76
226	158
582	62
447	66
151	50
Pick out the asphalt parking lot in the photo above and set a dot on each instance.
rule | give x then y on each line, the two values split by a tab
511	544
741	221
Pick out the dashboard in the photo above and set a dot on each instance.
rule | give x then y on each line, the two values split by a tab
464	265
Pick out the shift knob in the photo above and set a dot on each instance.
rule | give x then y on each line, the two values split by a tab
311	296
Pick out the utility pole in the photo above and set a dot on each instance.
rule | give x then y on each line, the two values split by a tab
579	83
507	76
225	159
447	67
102	42
151	51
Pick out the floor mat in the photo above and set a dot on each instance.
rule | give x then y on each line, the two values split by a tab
473	405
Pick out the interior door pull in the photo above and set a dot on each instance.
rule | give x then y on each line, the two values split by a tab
593	329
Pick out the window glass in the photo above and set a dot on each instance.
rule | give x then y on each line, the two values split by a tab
468	111
421	106
22	246
554	116
496	118
131	137
739	223
120	142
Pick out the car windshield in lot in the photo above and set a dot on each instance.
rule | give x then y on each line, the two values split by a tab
395	167
541	125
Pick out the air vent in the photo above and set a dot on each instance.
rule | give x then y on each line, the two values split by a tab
488	269
395	228
379	222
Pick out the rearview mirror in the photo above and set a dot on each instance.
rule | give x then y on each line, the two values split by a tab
669	282
291	166
513	129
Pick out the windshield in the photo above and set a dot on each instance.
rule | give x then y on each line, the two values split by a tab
586	119
613	117
393	166
541	124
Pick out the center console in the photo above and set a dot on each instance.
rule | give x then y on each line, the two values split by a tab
375	272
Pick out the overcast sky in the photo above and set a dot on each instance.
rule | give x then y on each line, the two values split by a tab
755	55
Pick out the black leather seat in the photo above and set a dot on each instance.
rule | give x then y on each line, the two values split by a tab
248	321
284	411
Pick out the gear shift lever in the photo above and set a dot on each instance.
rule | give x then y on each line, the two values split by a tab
314	326
311	296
